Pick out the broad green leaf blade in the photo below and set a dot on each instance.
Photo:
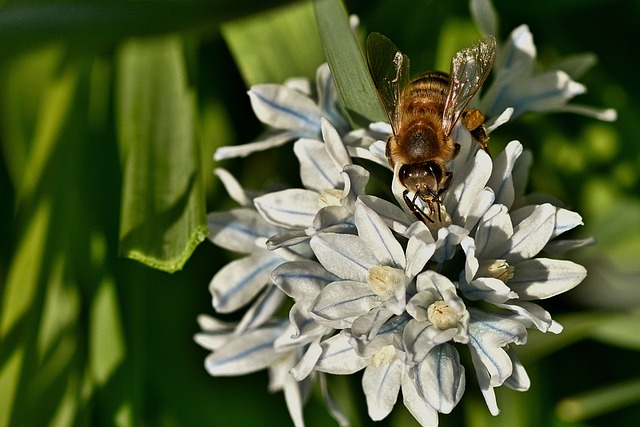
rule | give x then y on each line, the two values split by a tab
350	72
95	23
162	216
289	44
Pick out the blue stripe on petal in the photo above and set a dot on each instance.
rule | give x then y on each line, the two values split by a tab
224	298
312	122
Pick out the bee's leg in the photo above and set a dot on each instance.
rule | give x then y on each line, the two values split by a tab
387	150
473	121
411	204
445	186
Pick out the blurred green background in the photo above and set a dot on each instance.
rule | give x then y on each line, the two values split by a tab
109	116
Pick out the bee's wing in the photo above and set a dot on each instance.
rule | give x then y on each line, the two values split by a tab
390	71
469	69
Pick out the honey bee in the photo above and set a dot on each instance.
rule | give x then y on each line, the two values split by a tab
423	112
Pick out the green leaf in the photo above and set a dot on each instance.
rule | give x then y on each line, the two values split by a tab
350	72
9	377
106	342
623	331
454	36
601	401
95	23
289	44
577	326
162	216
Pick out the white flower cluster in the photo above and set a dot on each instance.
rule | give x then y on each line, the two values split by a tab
371	288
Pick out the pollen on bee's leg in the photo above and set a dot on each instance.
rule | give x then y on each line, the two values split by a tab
473	119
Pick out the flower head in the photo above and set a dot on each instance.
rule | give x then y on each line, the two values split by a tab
367	286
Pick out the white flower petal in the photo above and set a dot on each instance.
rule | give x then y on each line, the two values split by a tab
304	327
238	229
246	353
441	379
381	386
292	208
377	150
328	98
559	247
355	178
282	107
519	380
435	283
494	229
472	264
467	183
488	334
519	53
543	278
262	310
334	145
604	114
302	280
395	218
448	240
306	364
529	236
270	139
520	173
548	91
241	280
344	301
335	219
318	171
233	188
529	314
424	413
211	340
515	63
345	255
481	204
212	324
294	396
501	181
285	239
339	358
565	220
378	237
419	251
420	338
389	334
498	121
301	84
368	153
484	16
576	65
487	289
366	327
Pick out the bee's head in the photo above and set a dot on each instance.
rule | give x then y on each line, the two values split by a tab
424	179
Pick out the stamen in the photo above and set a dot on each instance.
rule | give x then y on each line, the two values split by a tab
442	316
384	280
496	268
